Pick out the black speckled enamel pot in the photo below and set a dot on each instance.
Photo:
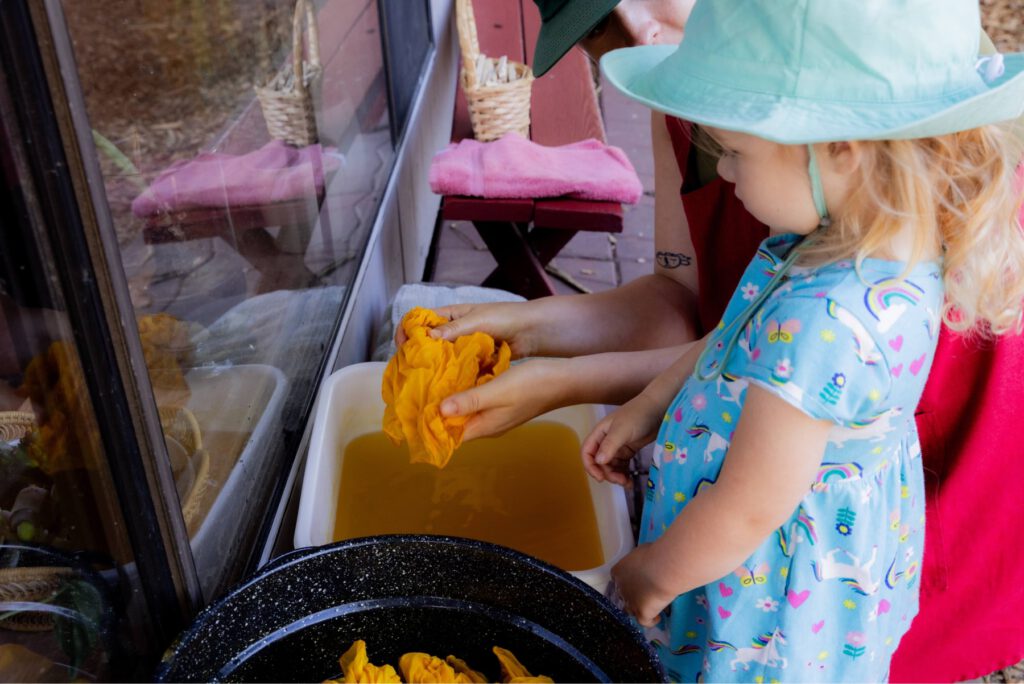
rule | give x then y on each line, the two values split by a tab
440	595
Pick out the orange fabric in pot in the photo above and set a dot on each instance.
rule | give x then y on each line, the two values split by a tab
422	373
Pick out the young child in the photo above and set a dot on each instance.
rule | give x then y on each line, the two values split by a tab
783	529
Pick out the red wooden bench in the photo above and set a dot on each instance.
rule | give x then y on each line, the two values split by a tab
523	235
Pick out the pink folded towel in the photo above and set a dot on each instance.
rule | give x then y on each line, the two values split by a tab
516	167
273	173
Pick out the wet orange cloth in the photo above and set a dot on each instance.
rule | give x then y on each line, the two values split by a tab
463	670
422	373
423	668
356	668
513	671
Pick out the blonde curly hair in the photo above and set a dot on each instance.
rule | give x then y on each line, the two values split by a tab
956	191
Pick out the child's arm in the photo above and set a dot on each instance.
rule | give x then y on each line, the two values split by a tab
772	460
614	441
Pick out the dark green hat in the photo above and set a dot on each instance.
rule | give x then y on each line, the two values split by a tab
563	24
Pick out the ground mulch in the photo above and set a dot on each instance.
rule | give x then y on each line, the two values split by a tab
1004	22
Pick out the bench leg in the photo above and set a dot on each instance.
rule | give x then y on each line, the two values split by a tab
519	269
548	242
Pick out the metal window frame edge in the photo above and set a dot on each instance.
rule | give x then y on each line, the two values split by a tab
118	313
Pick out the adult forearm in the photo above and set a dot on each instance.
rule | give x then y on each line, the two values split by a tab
650	312
616	377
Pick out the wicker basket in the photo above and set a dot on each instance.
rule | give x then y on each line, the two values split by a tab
30	585
495	108
287	100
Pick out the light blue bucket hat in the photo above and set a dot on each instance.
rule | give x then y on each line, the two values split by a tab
805	71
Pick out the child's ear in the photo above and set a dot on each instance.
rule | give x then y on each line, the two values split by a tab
845	156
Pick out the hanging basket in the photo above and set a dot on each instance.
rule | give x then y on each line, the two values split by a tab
497	90
287	100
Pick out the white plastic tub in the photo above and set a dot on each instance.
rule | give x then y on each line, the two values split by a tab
350	405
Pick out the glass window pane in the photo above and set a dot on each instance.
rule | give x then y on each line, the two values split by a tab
71	607
407	41
239	248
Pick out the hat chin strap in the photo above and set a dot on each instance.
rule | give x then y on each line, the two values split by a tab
817	190
706	372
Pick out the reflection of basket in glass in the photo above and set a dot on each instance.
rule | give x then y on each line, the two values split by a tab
190	463
15	424
287	100
30	585
497	90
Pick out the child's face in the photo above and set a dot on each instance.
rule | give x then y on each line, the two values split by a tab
771	180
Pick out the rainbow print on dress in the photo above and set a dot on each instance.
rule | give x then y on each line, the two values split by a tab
888	299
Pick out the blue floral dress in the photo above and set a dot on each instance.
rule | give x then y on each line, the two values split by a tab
829	594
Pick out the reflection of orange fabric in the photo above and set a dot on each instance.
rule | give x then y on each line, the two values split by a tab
513	671
166	347
425	371
356	668
55	383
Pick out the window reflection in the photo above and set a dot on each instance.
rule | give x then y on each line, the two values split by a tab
65	584
238	248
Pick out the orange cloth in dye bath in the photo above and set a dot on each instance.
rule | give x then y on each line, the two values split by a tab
423	668
513	671
422	373
356	668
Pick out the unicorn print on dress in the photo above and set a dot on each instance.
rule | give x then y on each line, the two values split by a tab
734	388
863	344
715	441
764	651
856	575
800	530
657	635
888	299
875	429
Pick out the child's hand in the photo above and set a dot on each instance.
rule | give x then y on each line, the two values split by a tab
637	586
616	439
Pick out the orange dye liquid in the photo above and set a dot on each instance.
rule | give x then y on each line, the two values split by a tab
526	490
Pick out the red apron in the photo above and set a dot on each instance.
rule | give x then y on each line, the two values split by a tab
971	424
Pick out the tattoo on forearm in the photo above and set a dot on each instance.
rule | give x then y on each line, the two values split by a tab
672	259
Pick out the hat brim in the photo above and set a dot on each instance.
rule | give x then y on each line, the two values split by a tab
566	28
641	74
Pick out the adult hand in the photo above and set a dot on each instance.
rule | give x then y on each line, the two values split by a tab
524	391
636	579
505	321
611	445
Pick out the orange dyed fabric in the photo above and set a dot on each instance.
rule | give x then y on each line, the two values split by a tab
356	668
423	668
513	672
422	373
